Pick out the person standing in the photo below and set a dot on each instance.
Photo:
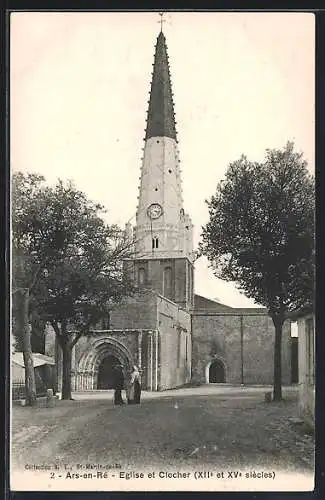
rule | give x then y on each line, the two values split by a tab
118	385
134	387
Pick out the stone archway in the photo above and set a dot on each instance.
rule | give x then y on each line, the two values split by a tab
215	371
101	352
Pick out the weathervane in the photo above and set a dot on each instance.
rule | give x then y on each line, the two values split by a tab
161	21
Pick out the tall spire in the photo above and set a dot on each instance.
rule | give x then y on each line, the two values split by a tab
163	233
161	118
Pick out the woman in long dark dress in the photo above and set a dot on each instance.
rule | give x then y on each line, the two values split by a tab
118	385
134	389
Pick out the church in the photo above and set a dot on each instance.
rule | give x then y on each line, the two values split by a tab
174	336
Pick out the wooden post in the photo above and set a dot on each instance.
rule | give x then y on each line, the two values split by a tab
242	350
156	360
140	349
30	385
151	361
50	401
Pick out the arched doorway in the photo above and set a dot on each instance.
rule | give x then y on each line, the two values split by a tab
217	373
105	372
96	364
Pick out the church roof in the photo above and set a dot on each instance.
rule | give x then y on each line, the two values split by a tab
161	118
201	302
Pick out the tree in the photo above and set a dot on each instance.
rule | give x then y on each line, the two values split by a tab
20	306
260	235
70	258
37	327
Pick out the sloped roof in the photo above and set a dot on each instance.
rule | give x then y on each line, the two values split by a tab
201	302
161	118
38	359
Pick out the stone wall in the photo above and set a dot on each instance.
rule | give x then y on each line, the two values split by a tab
166	353
175	344
306	357
135	312
244	342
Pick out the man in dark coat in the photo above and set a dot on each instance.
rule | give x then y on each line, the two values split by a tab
118	382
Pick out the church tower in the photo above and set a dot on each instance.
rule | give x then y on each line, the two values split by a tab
163	233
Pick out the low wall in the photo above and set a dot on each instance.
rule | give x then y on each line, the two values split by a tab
244	342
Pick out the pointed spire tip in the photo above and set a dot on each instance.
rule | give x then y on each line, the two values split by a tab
161	116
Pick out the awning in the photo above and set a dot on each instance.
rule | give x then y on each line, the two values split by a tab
38	359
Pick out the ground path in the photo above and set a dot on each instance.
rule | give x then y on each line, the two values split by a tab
219	426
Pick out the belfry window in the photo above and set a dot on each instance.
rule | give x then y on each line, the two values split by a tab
155	242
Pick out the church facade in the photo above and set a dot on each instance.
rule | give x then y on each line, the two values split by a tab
171	334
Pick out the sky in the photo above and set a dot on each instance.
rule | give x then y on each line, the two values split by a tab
80	82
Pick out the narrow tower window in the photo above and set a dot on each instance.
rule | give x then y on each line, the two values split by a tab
155	242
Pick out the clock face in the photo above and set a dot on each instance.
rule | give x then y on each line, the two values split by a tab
154	211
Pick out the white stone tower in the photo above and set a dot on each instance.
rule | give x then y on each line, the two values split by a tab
163	233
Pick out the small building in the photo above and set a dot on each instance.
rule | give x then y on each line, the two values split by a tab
306	358
44	369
